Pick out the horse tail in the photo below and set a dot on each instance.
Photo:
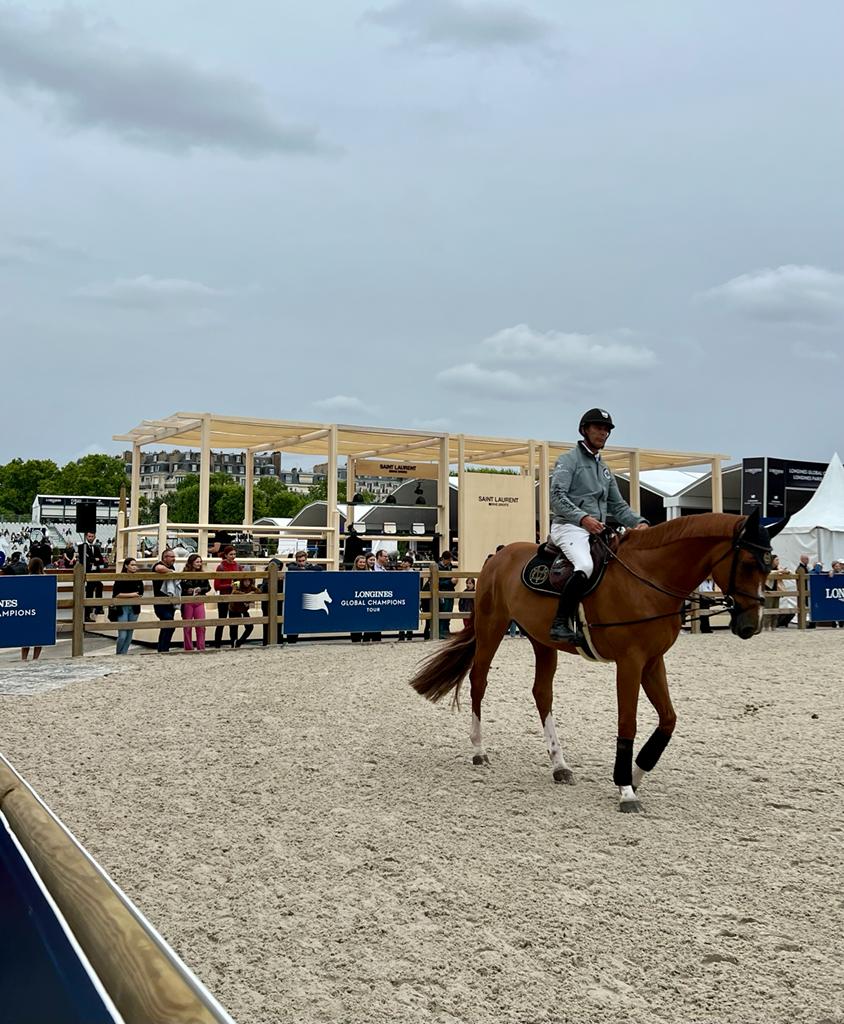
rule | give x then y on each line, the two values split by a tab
444	671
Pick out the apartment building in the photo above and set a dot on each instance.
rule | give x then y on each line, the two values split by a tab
163	471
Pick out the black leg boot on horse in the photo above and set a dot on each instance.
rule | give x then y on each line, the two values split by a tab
564	627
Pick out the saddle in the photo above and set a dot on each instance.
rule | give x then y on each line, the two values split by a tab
549	570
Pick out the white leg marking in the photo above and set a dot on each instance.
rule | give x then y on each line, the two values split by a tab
554	752
476	736
639	776
625	794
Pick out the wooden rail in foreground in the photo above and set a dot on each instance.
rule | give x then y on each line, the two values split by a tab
140	978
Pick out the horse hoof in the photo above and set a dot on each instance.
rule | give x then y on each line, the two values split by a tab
630	807
565	775
480	759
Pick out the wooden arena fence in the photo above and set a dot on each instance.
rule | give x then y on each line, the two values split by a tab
791	599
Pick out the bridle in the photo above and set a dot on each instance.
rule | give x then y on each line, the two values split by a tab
761	552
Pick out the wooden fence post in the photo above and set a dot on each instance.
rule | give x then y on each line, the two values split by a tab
435	603
77	643
272	605
694	613
162	529
802	598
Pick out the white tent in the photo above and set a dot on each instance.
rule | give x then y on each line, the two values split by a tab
817	530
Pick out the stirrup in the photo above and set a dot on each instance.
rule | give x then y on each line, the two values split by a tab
561	632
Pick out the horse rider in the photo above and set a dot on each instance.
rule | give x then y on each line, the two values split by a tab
583	493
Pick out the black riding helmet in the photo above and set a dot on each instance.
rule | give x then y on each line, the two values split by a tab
599	416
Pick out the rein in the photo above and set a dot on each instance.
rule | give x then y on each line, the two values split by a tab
727	601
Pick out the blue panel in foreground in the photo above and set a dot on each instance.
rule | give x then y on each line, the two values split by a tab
349	602
826	597
27	611
41	977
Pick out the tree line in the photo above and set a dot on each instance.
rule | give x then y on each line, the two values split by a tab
103	476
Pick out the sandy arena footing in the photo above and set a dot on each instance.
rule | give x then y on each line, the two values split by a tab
311	837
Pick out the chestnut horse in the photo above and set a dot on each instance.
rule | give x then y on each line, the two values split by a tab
633	617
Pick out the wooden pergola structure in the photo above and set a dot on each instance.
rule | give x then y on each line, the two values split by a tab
535	458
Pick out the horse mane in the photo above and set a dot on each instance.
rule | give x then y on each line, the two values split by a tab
708	524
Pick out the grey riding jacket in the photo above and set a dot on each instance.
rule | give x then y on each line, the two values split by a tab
581	485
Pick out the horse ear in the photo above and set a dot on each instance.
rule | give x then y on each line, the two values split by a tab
777	528
751	524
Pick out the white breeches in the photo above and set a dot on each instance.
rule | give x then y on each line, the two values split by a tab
573	541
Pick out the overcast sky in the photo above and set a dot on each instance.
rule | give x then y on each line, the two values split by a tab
468	216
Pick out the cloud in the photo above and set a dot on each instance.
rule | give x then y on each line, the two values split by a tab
29	249
439	424
786	295
582	352
342	403
151	293
820	355
454	25
478	380
519	362
90	79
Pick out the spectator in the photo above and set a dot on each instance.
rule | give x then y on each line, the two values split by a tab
41	548
447	584
353	547
67	559
370	561
194	610
405	564
91	556
219	542
264	589
225	587
15	566
126	612
164	587
359	565
801	570
707	587
300	564
382	561
425	606
467	604
240	609
35	568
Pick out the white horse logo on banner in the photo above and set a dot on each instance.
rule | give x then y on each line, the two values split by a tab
316	602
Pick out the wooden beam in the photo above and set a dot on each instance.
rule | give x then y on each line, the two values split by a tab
462	524
204	484
135	492
717	487
635	495
393	450
443	504
332	516
523	449
289	442
544	492
248	488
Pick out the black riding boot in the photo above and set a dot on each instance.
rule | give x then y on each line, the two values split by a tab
564	627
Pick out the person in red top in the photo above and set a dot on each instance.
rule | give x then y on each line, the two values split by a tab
228	564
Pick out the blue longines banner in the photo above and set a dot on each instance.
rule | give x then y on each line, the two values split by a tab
350	602
826	598
27	611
